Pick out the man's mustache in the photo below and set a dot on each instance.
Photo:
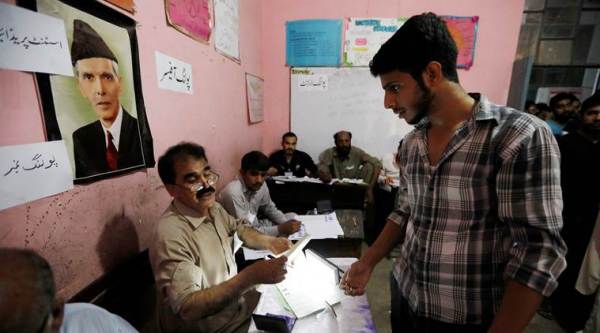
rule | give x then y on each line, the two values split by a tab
204	191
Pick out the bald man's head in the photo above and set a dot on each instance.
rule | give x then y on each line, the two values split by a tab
27	293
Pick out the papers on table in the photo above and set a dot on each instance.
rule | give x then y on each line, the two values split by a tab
292	179
321	226
348	181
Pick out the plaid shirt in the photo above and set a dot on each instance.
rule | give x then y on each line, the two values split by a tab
489	210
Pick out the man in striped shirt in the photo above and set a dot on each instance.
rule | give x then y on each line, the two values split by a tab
479	209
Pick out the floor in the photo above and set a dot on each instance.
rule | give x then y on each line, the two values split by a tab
378	293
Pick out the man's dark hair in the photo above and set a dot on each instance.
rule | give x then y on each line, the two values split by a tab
255	160
589	103
335	136
422	39
529	103
288	135
166	163
559	97
27	290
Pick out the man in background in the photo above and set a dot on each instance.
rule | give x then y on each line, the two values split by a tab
28	301
290	161
113	141
580	181
248	197
561	105
347	161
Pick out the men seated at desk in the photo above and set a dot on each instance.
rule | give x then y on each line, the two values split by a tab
347	161
29	304
248	197
198	286
291	161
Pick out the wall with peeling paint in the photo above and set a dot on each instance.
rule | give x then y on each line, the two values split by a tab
88	230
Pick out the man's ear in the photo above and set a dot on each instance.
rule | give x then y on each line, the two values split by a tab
432	74
58	314
171	189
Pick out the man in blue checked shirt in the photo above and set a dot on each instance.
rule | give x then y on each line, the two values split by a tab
479	209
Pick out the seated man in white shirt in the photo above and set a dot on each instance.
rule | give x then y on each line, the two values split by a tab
28	301
248	197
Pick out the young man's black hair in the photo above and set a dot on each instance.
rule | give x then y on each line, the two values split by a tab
421	40
255	160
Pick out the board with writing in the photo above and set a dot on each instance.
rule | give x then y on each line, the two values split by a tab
325	100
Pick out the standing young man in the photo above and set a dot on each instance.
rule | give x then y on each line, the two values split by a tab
479	209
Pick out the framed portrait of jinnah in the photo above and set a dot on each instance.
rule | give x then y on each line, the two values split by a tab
99	112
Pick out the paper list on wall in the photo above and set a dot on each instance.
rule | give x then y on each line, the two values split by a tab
313	42
33	171
227	26
173	74
33	42
254	95
364	37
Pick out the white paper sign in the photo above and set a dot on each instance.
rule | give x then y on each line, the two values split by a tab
173	74
364	37
312	82
33	42
227	26
254	92
33	171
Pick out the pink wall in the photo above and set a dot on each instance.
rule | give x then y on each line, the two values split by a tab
86	231
499	23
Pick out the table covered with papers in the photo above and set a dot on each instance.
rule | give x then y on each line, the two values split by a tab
340	313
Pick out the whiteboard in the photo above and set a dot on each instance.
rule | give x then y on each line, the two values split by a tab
325	100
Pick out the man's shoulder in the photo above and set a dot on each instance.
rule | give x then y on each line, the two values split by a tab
232	188
94	126
277	154
516	122
302	154
171	225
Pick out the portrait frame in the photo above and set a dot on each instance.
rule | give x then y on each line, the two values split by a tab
64	108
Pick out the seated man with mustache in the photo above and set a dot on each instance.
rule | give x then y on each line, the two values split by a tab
198	286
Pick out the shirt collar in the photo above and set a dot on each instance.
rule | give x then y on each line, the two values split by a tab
189	214
482	111
245	189
115	128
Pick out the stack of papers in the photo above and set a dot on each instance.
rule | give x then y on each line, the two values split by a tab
293	179
320	226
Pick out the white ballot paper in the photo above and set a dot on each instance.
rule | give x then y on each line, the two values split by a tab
311	284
